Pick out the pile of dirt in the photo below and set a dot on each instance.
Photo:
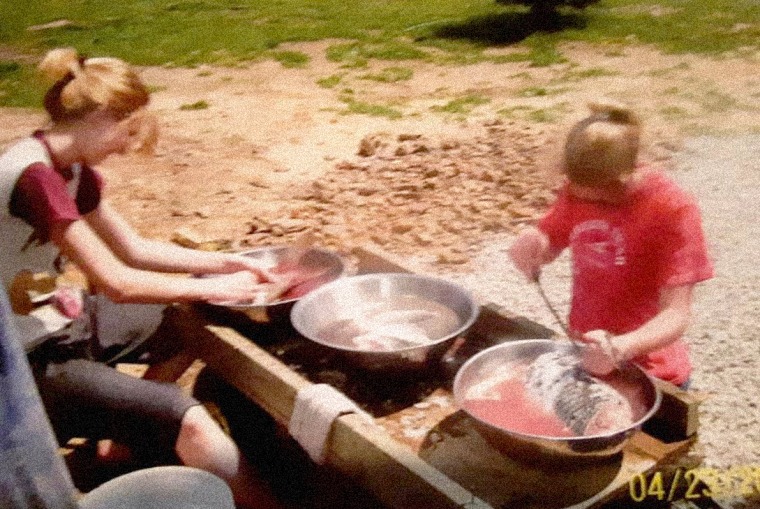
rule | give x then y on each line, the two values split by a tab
412	192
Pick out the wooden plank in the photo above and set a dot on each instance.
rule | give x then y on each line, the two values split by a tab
678	416
358	449
643	455
239	361
398	477
171	369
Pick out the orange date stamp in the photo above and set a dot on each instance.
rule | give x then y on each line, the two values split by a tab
696	483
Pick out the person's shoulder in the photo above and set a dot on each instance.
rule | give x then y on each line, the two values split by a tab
16	159
27	149
657	182
661	191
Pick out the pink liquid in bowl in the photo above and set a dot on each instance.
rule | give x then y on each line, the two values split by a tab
516	411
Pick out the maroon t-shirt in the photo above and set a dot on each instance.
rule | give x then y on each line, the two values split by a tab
41	196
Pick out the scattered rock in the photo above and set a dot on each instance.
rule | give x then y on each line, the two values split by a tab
436	193
194	240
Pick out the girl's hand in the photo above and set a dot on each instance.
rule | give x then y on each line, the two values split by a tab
261	271
241	286
528	252
598	354
69	301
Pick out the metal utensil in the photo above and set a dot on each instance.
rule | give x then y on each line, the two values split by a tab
550	306
576	348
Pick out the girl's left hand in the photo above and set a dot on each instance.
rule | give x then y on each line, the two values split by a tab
599	356
69	301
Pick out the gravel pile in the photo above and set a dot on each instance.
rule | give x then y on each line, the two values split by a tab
411	193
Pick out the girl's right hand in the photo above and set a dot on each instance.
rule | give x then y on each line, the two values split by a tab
599	354
528	252
242	286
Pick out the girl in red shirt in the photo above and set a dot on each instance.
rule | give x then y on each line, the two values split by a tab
637	249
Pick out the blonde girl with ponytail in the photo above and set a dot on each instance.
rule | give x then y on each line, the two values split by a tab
54	207
637	249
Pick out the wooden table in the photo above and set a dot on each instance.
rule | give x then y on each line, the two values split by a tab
421	451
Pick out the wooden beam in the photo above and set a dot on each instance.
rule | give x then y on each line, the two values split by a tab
398	477
678	416
359	449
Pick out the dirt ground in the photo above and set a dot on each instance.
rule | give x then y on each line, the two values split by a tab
275	154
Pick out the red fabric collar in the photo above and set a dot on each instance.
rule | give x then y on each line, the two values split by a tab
67	172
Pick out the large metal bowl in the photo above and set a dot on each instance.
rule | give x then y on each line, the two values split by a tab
325	265
645	395
342	299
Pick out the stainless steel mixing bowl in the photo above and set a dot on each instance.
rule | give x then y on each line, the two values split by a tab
647	396
340	300
325	265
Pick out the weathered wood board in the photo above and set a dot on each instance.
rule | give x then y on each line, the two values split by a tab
421	450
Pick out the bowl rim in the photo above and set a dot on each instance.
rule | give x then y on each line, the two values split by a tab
459	399
304	301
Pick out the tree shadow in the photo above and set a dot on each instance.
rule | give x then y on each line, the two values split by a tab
510	27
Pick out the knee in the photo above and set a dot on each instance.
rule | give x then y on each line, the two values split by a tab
195	424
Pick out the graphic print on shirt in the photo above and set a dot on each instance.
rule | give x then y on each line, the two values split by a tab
597	244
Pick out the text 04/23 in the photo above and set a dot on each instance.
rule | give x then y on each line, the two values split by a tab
696	483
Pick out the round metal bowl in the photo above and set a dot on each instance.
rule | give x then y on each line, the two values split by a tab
343	300
644	395
323	265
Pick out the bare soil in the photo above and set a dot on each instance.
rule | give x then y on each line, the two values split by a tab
274	153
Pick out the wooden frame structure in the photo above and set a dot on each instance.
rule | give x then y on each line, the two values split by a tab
395	469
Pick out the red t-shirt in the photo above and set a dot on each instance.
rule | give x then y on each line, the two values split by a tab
42	199
624	255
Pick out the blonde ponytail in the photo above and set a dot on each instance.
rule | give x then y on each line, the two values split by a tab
82	85
604	146
58	63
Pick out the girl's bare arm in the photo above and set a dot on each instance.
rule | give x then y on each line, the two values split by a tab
154	255
124	283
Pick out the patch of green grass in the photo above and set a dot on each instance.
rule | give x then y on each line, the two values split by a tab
543	52
514	112
19	85
540	91
542	115
357	54
658	73
290	59
537	115
374	110
229	32
197	105
675	26
391	75
594	72
462	105
330	81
